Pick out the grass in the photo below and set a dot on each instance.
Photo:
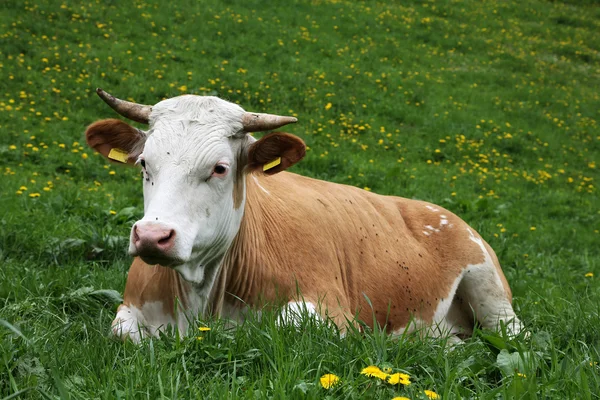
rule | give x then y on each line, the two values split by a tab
488	108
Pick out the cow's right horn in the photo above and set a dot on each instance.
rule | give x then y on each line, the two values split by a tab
133	111
258	122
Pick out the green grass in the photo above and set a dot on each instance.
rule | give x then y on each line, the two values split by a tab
488	108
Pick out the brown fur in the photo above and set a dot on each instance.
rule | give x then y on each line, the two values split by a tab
148	283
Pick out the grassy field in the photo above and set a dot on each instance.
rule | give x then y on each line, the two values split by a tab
488	108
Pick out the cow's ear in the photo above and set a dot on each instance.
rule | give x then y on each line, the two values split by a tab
275	152
116	140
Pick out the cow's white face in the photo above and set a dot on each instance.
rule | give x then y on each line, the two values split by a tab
190	163
193	160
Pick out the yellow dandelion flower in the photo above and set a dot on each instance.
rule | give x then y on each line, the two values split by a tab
400	398
532	228
431	394
112	212
19	192
589	275
12	147
374	371
34	195
204	329
23	188
521	375
329	380
112	173
327	106
84	156
199	338
368	189
397	378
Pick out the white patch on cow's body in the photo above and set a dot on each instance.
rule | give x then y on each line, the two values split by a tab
443	306
431	228
259	185
433	208
293	312
426	233
443	222
414	325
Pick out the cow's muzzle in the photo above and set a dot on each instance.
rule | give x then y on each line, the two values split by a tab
154	243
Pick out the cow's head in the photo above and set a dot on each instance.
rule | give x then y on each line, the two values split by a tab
194	158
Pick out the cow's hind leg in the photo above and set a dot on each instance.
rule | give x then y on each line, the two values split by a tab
483	296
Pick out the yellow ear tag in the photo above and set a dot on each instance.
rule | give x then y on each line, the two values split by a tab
118	155
272	164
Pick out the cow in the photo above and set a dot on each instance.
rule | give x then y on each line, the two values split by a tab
227	229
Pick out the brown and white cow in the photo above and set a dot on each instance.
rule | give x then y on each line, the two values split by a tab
219	234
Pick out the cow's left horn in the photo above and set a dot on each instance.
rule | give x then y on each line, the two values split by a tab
133	111
257	122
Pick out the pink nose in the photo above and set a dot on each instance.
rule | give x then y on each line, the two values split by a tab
153	240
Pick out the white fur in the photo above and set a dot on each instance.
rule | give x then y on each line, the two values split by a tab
294	311
431	228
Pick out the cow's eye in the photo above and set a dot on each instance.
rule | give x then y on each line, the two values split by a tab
220	169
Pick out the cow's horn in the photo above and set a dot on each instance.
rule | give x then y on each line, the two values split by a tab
133	111
257	122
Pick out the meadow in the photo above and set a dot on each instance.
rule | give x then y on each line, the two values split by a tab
488	108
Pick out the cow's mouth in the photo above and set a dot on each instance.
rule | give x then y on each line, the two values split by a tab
162	260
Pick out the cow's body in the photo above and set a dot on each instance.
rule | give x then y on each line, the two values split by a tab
337	245
231	236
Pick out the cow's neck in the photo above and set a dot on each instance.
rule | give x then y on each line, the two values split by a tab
238	275
202	275
248	263
205	272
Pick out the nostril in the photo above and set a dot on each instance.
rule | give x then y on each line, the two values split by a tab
168	238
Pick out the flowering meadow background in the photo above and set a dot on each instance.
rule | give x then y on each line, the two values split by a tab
488	108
